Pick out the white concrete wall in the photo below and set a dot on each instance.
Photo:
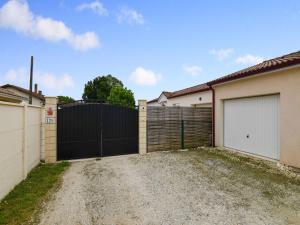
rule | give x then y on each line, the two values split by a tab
191	99
11	140
186	100
20	142
33	136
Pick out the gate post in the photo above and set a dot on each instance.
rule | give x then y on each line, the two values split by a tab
50	129
142	127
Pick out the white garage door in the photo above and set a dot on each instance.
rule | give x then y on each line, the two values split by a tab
252	125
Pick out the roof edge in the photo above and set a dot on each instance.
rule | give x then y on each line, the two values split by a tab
153	100
286	65
41	97
192	92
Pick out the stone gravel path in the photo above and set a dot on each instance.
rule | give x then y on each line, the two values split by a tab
193	187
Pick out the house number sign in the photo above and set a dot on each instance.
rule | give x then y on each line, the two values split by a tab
49	120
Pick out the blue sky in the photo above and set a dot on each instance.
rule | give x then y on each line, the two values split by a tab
150	45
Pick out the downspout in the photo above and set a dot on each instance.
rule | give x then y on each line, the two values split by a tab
213	116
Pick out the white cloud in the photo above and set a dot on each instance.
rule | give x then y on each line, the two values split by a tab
50	30
18	76
16	15
144	77
96	6
45	80
249	59
130	16
84	41
221	54
192	70
52	82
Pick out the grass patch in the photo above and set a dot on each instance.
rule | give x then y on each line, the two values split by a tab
259	168
23	202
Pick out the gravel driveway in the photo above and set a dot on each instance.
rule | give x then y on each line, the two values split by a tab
192	187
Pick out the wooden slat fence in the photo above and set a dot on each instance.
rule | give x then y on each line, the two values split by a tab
165	126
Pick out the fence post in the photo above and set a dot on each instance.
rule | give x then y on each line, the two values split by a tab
182	134
50	129
142	127
25	147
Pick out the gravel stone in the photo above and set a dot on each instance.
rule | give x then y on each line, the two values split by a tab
170	188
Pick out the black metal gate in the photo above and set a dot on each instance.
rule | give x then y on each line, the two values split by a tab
86	130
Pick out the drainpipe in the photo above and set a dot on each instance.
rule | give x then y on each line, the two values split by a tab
213	116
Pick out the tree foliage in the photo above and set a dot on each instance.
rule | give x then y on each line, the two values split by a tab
121	96
65	99
100	87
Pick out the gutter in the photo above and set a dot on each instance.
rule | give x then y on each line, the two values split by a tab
213	116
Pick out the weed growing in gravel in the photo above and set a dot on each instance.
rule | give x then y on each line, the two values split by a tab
233	172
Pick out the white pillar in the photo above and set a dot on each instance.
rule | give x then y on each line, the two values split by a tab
142	127
25	147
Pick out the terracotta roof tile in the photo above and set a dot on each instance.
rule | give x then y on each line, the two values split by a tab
266	66
190	90
167	94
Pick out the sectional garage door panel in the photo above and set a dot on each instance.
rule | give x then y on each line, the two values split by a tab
252	125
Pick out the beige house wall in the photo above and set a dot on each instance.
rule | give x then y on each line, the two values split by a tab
20	138
286	83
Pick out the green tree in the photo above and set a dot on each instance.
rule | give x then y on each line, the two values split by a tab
65	99
121	96
100	87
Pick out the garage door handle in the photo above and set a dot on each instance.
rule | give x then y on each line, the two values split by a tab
247	136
